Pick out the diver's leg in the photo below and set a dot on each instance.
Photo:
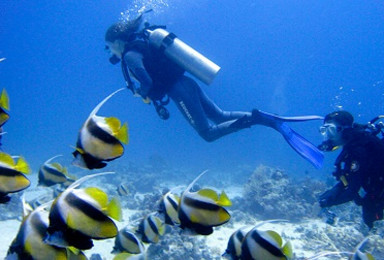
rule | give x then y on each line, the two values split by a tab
215	113
186	95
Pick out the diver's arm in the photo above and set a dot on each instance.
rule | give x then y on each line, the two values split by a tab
350	180
134	61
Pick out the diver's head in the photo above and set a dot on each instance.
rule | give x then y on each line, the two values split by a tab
335	125
118	35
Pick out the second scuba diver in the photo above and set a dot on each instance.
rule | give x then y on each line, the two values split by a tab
359	168
158	60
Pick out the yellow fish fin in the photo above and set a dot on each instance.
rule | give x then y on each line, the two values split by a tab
4	100
122	135
369	256
7	159
22	165
114	124
98	195
58	166
208	193
160	226
276	237
114	209
21	182
3	117
224	201
288	250
224	215
123	256
81	151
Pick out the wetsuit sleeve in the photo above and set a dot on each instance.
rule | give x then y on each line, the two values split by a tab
350	180
134	61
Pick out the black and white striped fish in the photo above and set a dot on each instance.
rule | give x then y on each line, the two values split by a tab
53	173
202	210
151	228
12	178
127	242
100	139
266	245
169	205
79	215
29	241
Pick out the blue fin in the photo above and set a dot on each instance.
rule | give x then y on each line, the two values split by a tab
301	145
289	118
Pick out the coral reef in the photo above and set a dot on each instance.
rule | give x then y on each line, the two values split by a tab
271	193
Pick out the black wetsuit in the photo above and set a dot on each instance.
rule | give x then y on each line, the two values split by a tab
159	76
359	165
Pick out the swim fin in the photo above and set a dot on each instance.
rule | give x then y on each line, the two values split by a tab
302	146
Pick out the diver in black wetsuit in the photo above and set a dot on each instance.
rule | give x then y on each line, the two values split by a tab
161	75
359	165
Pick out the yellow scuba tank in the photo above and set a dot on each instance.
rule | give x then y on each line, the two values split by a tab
183	55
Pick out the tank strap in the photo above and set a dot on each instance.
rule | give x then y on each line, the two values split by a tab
167	41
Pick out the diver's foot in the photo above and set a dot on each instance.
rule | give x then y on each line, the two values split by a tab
260	118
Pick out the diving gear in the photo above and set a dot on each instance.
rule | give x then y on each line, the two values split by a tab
329	129
183	55
303	147
114	59
327	146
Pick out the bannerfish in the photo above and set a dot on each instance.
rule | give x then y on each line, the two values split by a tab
79	215
100	139
168	207
202	210
123	190
357	254
4	107
266	245
151	228
53	173
12	178
235	241
29	241
127	242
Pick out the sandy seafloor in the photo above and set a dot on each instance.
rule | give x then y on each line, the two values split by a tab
309	235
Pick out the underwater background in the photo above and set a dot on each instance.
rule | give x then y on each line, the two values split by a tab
282	56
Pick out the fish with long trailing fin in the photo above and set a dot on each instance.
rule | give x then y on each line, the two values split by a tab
53	173
12	176
100	139
151	228
127	242
79	215
29	242
265	245
168	207
236	240
202	210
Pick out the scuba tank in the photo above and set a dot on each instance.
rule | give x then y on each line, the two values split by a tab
183	55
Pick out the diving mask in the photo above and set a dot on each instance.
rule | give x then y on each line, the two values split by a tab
330	129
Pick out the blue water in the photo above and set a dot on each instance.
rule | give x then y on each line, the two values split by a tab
283	56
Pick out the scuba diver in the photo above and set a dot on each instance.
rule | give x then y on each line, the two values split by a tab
359	165
158	60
